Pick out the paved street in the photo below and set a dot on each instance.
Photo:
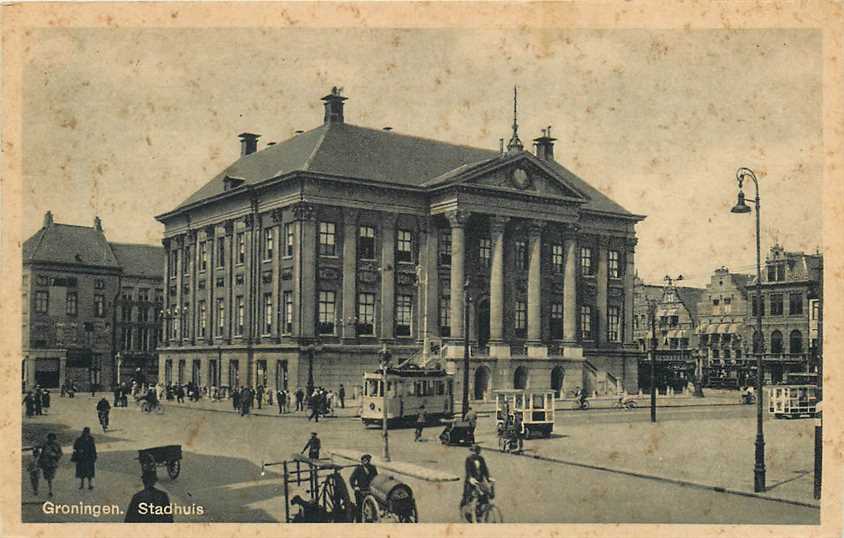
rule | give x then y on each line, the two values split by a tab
223	454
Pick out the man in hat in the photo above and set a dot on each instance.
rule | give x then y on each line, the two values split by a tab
477	473
148	505
312	446
421	418
360	480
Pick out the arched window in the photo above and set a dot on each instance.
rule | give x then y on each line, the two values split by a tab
776	343
520	378
558	376
757	342
795	342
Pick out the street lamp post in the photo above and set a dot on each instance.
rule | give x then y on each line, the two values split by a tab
742	207
384	356
311	349
652	312
467	301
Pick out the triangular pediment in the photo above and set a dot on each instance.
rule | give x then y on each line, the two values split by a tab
523	173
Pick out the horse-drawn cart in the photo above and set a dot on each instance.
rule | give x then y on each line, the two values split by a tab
169	456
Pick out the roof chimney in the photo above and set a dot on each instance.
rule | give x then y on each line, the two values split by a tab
48	219
334	106
545	145
248	143
98	224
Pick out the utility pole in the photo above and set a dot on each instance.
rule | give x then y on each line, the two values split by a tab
819	419
652	311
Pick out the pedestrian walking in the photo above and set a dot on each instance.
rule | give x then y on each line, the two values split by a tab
37	400
280	398
48	460
300	396
85	457
269	397
180	394
420	423
245	401
33	470
29	402
259	396
315	407
146	498
342	394
313	446
45	400
472	418
236	399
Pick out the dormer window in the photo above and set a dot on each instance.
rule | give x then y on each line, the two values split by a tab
230	183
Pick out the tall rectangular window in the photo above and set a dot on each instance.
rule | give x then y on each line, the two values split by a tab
203	318
326	312
287	296
289	236
186	260
174	262
71	305
613	264
366	314
444	248
327	239
99	306
404	314
781	272
484	251
445	316
557	257
521	254
585	261
556	321
185	325
613	323
203	255
795	304
241	247
143	295
268	313
776	304
241	313
42	302
404	246
268	243
221	316
521	319
586	322
221	252
366	242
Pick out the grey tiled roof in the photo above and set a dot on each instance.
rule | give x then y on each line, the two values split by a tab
140	260
350	151
69	244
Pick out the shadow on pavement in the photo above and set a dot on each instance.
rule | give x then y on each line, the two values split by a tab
35	433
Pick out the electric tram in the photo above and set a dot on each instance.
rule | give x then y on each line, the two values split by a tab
408	388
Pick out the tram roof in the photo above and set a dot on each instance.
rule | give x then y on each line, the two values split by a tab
411	372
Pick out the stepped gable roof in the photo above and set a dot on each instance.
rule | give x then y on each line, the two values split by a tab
69	244
140	260
691	297
350	151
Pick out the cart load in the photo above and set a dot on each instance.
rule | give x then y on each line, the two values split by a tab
168	456
389	499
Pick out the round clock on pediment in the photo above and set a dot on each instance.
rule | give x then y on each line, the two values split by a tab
520	178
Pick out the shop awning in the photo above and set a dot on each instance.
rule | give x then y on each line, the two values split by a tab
724	328
712	329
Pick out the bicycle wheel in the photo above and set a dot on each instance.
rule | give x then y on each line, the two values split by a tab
492	514
370	512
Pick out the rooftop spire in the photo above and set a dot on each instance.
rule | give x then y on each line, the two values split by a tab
515	145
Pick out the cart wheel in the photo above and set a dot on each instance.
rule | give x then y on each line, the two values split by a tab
493	515
369	510
174	468
412	516
444	438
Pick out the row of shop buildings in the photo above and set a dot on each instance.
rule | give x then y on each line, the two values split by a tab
711	332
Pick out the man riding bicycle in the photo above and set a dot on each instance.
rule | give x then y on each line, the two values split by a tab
103	408
478	482
580	396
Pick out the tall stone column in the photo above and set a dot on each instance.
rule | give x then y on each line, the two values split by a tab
571	348
228	284
535	347
168	302
602	281
431	277
179	311
629	275
210	285
305	270
497	347
193	263
388	277
350	258
457	220
276	217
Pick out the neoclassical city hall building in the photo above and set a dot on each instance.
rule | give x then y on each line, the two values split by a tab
314	253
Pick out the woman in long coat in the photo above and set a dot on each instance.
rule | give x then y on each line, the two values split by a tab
48	460
85	456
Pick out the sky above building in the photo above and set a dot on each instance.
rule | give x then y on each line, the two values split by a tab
126	123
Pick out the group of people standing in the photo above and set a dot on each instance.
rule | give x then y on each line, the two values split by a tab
36	401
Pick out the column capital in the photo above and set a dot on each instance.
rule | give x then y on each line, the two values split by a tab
457	218
497	223
630	244
228	226
248	221
304	211
276	215
389	219
179	240
535	228
570	230
190	236
166	243
350	215
209	231
604	241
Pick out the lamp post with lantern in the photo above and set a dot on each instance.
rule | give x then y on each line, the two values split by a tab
759	342
384	357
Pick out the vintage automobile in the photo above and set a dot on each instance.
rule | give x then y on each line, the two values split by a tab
389	500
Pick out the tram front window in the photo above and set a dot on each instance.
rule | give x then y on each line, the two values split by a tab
374	387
